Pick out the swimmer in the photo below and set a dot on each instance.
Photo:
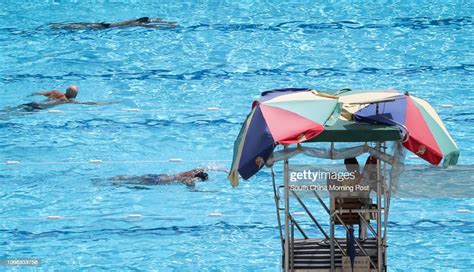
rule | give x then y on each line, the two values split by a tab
141	22
188	178
55	97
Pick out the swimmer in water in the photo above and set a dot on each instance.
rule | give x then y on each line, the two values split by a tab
141	22
55	97
188	178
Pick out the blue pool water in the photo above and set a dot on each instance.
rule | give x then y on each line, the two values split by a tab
222	54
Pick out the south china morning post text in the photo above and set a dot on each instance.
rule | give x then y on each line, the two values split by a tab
313	179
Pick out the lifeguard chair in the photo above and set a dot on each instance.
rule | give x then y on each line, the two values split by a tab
321	238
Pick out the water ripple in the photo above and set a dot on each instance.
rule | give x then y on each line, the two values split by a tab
462	69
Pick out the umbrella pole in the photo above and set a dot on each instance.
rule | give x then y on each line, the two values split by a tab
379	214
379	205
331	230
387	193
287	213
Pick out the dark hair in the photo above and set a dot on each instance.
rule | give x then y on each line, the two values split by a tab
351	161
352	164
143	20
202	175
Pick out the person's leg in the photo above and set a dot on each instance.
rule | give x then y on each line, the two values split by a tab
366	204
124	178
362	230
33	106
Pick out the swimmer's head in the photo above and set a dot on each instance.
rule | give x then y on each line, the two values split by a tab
71	92
352	165
202	175
143	20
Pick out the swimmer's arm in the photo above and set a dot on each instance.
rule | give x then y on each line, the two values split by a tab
45	93
52	95
160	25
168	22
188	181
156	23
159	20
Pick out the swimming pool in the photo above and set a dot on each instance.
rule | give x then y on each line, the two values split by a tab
223	54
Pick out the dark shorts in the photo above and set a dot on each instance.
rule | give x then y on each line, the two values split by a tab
33	106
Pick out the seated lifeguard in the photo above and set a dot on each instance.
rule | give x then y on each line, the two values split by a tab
350	194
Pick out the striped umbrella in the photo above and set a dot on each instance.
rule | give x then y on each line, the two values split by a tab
426	135
284	116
